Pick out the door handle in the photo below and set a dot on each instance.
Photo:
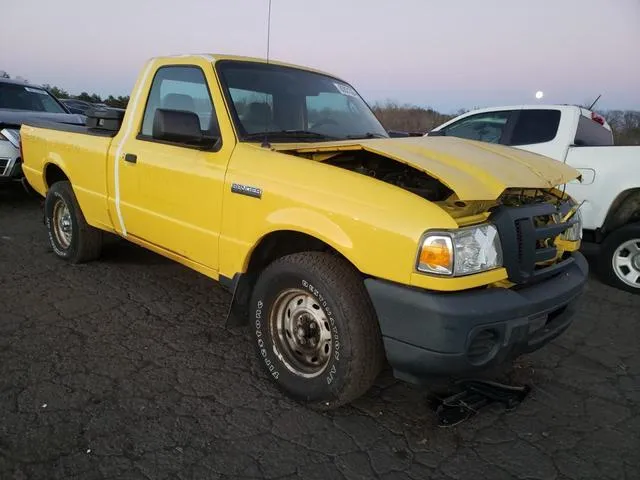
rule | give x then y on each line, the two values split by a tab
130	157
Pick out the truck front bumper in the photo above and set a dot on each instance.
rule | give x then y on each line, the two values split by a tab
430	334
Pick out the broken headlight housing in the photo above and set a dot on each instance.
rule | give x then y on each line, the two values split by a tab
574	232
459	252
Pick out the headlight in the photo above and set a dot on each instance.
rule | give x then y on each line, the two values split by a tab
461	252
574	232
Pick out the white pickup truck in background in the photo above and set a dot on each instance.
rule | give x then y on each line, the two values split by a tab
610	186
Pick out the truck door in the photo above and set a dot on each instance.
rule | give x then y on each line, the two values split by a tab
171	192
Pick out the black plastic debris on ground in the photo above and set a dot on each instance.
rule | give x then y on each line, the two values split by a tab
472	395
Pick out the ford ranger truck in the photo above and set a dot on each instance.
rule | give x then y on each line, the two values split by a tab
609	186
343	248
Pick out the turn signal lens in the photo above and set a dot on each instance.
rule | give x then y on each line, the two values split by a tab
463	251
436	255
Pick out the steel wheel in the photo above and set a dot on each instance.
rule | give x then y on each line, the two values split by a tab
626	262
62	227
301	333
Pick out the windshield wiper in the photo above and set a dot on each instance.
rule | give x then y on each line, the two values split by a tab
306	134
365	135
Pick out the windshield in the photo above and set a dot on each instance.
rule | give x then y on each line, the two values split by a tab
23	97
291	104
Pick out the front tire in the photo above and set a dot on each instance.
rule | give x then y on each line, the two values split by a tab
619	259
70	236
315	330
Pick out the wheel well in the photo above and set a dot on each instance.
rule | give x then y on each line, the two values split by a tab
284	242
53	174
624	209
271	247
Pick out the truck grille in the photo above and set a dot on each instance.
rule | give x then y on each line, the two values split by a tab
527	234
4	162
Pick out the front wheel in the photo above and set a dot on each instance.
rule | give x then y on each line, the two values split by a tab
619	262
315	329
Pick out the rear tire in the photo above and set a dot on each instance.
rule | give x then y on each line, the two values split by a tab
315	330
70	236
619	259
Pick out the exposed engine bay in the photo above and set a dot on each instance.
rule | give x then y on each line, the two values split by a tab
393	172
515	197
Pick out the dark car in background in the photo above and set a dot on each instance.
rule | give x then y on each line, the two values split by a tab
76	106
82	106
20	102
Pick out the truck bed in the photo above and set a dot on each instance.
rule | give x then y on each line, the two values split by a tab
78	151
608	171
67	127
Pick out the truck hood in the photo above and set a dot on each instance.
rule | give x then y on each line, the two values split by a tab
15	118
473	170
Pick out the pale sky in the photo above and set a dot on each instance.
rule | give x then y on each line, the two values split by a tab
444	54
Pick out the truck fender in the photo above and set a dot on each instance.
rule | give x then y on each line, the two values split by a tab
307	229
623	209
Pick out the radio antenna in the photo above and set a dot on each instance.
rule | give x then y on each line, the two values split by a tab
265	141
594	102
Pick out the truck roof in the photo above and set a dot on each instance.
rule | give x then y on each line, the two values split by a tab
214	57
566	108
533	106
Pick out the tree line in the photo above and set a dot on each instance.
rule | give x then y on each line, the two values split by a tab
407	118
111	100
625	124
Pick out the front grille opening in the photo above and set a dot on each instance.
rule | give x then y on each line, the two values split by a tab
483	346
519	239
555	314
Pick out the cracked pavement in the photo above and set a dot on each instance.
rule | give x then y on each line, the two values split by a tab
123	369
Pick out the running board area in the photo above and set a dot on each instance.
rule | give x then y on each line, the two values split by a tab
471	396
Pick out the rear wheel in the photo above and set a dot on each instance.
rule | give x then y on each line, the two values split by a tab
70	236
315	330
619	262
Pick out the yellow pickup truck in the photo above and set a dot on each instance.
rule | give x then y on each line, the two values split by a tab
343	248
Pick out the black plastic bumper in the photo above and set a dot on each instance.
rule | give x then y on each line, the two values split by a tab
428	334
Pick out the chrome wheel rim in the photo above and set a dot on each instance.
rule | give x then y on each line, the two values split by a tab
301	333
626	262
62	227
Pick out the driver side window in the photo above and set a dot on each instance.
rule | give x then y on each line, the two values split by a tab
181	88
484	127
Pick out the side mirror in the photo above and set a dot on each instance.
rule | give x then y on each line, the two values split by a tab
179	126
437	133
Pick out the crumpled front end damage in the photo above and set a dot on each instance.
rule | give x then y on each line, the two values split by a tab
431	333
520	192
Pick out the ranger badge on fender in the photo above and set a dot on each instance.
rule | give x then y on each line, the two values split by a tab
246	190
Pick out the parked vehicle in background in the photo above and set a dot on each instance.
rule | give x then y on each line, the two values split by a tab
21	101
610	184
76	106
81	107
341	245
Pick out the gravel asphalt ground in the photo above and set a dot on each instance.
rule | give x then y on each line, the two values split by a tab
123	369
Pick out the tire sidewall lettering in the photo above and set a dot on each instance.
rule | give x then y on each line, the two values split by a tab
335	334
269	363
